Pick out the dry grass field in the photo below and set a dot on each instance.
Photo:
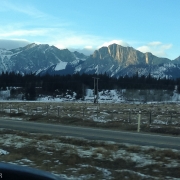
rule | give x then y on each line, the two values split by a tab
80	159
159	118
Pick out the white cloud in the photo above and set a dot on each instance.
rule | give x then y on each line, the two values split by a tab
155	43
85	51
22	8
75	40
12	44
22	33
60	34
157	48
166	46
120	42
88	47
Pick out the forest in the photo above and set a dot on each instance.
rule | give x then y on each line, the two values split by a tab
31	85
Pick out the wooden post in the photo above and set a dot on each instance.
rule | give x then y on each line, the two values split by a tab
150	118
170	122
18	109
129	115
58	112
47	110
112	115
10	108
97	111
139	121
83	111
28	110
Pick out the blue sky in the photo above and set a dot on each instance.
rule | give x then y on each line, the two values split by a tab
147	25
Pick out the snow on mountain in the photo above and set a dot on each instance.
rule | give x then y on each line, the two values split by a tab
38	58
61	65
115	60
77	69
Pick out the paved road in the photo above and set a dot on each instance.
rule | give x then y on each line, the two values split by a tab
94	134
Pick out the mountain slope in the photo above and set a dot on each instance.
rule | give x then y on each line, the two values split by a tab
34	58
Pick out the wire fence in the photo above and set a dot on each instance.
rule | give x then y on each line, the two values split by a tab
97	112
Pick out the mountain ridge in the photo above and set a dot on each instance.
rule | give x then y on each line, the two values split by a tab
114	60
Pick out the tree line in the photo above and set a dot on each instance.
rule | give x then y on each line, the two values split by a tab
32	85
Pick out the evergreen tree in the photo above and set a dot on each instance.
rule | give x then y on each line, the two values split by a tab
30	92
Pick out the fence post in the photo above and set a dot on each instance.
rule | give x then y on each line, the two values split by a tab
9	108
139	121
83	112
129	115
58	111
150	117
18	109
97	111
47	110
28	110
170	122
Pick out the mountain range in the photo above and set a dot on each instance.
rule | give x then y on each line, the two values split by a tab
114	60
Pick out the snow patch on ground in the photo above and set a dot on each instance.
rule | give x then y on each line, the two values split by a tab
3	152
104	96
4	94
14	140
140	157
13	118
156	121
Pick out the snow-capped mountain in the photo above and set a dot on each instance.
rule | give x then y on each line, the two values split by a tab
37	58
114	60
117	61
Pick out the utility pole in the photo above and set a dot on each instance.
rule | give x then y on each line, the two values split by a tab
83	91
168	71
96	88
139	121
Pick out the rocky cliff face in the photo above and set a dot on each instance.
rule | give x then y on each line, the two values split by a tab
117	60
123	55
127	56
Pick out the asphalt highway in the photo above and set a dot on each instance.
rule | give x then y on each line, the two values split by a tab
143	139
